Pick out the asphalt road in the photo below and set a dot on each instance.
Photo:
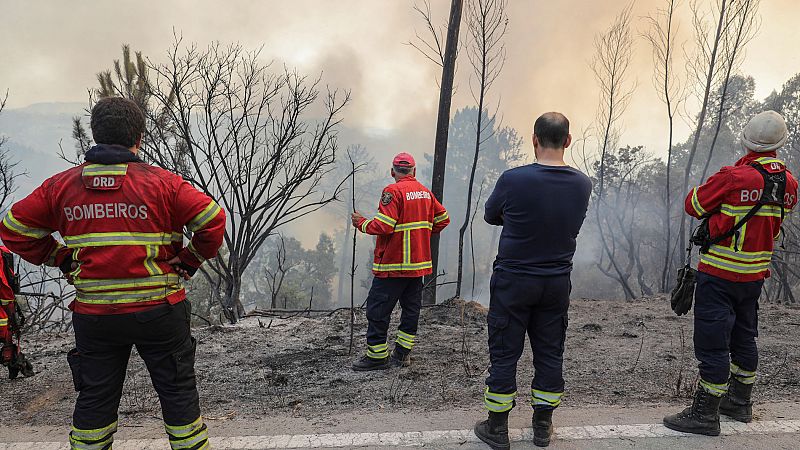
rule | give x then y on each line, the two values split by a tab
777	426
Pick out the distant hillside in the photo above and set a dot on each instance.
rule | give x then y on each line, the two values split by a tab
34	133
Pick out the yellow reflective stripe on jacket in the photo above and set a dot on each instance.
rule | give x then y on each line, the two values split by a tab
207	215
109	284
365	225
441	217
151	253
399	267
6	301
116	297
104	169
117	238
696	204
413	226
3	322
385	219
407	247
733	266
18	227
91	435
768	160
764	211
181	431
745	257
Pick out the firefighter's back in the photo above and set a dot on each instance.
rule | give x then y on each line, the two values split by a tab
122	224
118	219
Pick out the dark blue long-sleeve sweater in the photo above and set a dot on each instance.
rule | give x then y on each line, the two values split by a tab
541	209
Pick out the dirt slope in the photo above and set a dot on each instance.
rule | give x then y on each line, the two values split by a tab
618	353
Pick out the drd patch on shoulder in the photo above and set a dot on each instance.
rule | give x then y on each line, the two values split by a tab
386	198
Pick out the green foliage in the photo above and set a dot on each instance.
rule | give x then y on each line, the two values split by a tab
284	274
501	150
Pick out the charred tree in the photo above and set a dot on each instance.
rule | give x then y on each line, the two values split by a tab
661	37
610	65
447	61
240	133
487	23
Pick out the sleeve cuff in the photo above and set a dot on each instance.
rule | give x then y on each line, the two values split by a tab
362	225
190	260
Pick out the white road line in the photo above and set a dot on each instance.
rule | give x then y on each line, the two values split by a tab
427	438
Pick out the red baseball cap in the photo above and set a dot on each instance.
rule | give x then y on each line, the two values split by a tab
404	160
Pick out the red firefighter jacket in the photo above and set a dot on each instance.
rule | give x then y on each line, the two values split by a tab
726	197
6	293
121	223
407	215
7	299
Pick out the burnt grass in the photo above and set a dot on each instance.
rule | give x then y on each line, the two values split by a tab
617	353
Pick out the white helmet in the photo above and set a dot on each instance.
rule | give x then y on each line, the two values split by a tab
765	132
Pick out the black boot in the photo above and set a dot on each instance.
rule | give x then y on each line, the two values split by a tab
366	363
736	404
25	366
400	357
494	431
701	418
542	423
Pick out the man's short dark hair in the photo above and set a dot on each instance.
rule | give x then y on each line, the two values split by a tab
552	130
403	170
117	121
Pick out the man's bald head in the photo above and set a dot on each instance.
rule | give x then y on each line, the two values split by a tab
552	130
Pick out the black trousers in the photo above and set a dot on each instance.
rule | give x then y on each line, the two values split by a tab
383	296
725	329
536	306
99	362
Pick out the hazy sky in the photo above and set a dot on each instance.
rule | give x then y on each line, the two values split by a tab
51	50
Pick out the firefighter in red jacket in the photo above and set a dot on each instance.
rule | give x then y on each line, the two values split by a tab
122	222
407	215
732	272
11	319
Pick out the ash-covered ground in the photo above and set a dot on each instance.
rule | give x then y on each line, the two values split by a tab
618	353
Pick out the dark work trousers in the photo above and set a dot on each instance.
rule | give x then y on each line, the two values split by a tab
536	306
99	362
383	296
725	326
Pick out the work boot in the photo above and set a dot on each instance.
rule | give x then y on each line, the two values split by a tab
400	358
366	363
736	404
494	431
25	366
701	418
542	423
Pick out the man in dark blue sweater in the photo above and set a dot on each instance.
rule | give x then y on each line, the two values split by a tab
541	208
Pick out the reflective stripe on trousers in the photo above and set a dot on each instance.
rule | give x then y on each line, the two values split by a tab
96	439
193	436
744	376
495	402
379	351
